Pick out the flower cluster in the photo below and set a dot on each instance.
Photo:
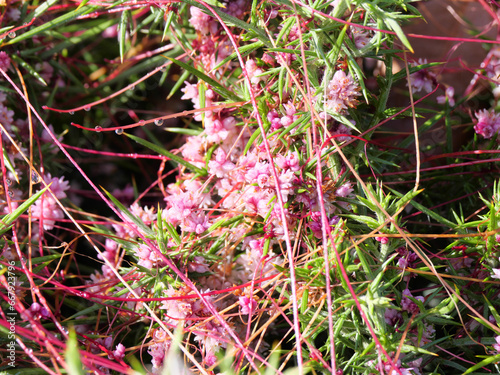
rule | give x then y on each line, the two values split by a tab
46	210
423	79
272	196
408	305
210	335
488	123
397	369
447	97
341	93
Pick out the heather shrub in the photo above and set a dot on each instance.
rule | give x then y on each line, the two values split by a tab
234	187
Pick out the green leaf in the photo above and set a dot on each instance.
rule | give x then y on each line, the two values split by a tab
36	270
431	213
137	221
8	164
41	9
255	135
493	310
123	33
8	219
334	53
243	50
45	259
90	33
403	201
173	233
72	355
65	18
28	67
162	151
224	222
182	79
82	4
370	221
485	362
394	25
216	86
184	131
413	349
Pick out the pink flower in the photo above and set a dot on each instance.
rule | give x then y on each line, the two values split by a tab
275	120
206	46
4	61
290	161
236	8
290	109
181	206
37	311
257	245
496	272
176	309
407	260
399	370
247	305
6	116
342	92
212	339
13	13
190	92
253	72
286	121
158	352
147	215
316	226
419	338
408	305
199	265
220	166
105	342
119	352
257	200
344	191
488	123
342	132
196	222
290	116
148	258
46	208
46	137
110	32
393	317
218	130
202	22
497	345
268	59
260	173
361	37
395	368
287	183
423	79
194	151
58	186
448	96
460	262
